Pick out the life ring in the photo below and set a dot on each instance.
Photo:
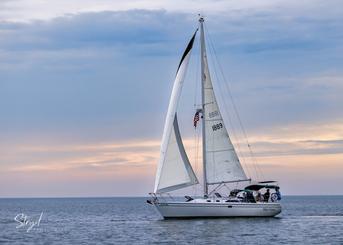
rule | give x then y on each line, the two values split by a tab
274	197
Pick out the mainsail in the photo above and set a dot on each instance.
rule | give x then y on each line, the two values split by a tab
174	169
220	158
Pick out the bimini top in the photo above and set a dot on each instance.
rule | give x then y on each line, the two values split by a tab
257	187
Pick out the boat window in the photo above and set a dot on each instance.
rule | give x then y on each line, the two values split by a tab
208	200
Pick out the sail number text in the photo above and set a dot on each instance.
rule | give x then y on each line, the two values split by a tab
217	126
213	114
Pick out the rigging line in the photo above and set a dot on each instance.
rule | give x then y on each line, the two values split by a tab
254	161
196	132
224	101
198	154
244	162
195	161
228	188
230	121
217	188
257	172
257	167
196	103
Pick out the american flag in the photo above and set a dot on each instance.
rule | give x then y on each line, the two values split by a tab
196	118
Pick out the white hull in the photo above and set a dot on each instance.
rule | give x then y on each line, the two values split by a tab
222	209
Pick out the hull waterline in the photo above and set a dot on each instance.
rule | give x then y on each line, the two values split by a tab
169	210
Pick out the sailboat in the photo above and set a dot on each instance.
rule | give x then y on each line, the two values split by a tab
221	164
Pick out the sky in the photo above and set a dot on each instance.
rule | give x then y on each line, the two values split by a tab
85	85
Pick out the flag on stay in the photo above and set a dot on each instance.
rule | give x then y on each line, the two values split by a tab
196	118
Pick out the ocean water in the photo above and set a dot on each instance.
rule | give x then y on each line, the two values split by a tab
304	220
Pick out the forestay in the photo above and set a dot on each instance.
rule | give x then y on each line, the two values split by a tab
222	163
174	169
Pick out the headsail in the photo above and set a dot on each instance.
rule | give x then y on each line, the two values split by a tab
174	169
221	161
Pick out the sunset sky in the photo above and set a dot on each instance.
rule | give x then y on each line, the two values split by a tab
85	85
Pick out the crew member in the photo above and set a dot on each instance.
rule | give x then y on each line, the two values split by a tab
278	193
266	196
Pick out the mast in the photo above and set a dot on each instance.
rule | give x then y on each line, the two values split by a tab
203	80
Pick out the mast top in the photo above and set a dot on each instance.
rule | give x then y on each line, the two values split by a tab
201	18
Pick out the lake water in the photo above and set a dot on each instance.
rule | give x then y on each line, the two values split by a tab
304	220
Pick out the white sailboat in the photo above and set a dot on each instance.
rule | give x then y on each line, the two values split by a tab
221	164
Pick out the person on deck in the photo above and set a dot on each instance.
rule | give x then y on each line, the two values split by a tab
259	197
266	195
278	193
250	197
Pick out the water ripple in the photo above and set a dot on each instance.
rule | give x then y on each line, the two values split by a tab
304	220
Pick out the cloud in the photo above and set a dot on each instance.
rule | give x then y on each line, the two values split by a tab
135	161
24	10
55	157
93	30
309	147
297	140
79	67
